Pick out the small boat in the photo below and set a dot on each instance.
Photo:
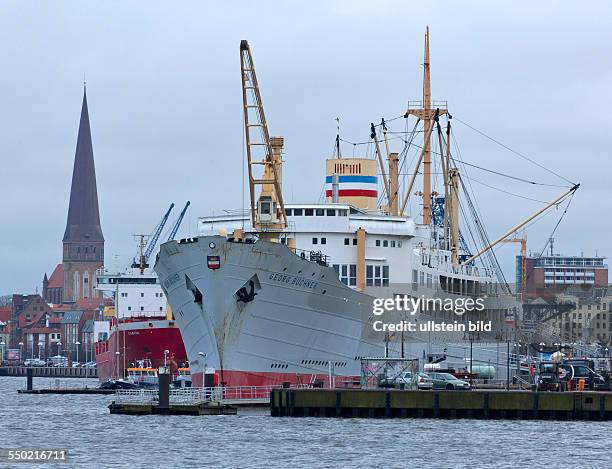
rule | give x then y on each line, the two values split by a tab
118	384
182	379
143	375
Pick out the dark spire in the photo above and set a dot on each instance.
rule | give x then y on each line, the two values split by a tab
83	222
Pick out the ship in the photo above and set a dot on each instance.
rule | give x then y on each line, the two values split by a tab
286	293
140	327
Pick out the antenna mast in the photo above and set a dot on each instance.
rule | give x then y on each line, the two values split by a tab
268	211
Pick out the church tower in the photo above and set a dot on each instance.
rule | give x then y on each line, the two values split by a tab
83	241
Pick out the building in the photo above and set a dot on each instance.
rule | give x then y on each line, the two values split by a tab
83	242
53	287
589	322
551	275
74	323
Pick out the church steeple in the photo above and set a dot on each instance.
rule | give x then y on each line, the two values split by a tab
83	223
83	241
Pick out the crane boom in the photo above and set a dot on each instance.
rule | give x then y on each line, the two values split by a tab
156	234
179	220
267	210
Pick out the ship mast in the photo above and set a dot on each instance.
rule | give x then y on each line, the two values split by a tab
267	211
426	113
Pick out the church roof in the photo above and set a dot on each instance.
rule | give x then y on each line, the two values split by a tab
57	277
83	223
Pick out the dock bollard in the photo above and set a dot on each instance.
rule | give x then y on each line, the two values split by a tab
29	378
164	387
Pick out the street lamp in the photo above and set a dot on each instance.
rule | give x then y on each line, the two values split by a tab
77	343
21	351
2	344
40	344
166	352
59	344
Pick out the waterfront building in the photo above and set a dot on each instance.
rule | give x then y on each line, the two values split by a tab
589	322
549	275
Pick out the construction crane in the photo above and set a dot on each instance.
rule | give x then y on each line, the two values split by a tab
267	210
179	220
523	241
149	242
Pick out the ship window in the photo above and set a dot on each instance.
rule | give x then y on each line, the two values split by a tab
346	241
378	243
161	308
337	269
288	212
385	275
308	212
392	244
86	250
331	212
342	213
354	241
142	308
353	275
399	244
385	243
377	276
369	275
320	212
323	240
314	240
344	275
297	212
85	280
129	308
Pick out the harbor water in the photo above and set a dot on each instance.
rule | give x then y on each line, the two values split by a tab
82	425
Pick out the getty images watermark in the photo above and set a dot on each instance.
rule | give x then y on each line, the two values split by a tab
402	306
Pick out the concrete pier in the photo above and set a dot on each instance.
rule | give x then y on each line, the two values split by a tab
484	404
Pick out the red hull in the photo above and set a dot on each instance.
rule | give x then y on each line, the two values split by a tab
146	342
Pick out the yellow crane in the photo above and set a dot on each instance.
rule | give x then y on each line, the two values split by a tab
263	152
523	242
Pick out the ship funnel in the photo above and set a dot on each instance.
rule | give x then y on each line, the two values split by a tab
352	181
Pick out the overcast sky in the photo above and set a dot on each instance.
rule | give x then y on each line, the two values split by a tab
163	86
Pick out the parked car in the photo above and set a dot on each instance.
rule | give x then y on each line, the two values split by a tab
76	365
447	381
57	360
415	380
89	365
34	362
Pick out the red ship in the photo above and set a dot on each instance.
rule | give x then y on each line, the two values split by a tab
155	339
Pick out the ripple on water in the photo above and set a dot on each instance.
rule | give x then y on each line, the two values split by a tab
94	438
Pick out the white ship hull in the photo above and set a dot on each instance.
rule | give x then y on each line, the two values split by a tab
293	321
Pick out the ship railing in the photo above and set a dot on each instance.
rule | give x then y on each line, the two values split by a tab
193	394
